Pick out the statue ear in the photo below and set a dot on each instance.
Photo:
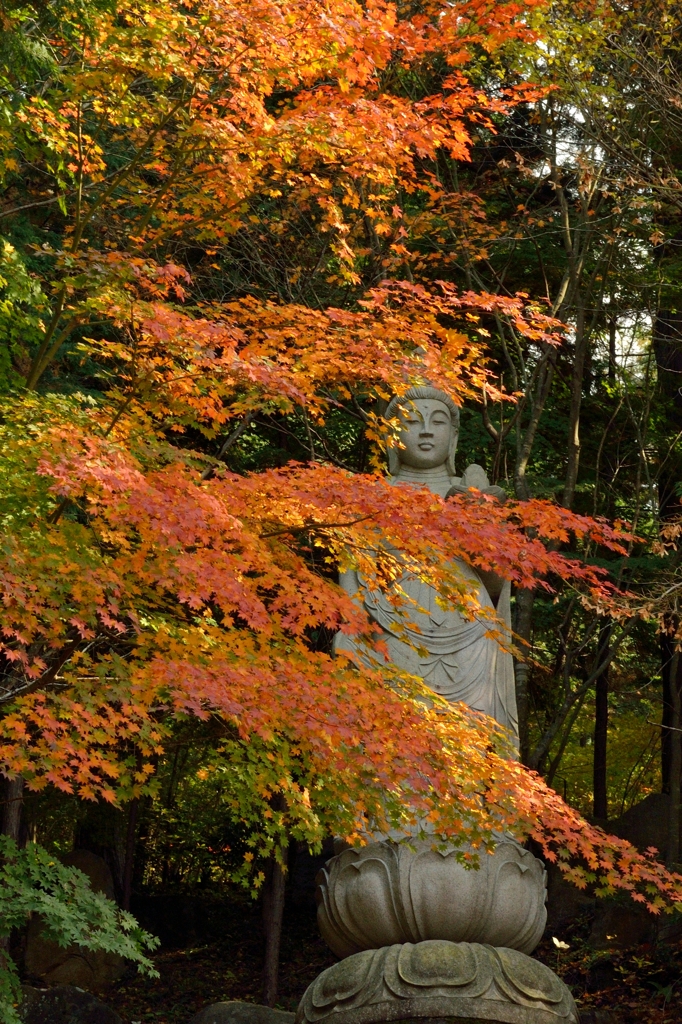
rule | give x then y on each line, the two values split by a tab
393	460
450	461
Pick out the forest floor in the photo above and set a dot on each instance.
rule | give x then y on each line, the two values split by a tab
222	953
225	961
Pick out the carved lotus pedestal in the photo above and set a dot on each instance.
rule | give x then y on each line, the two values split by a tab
427	940
391	892
439	981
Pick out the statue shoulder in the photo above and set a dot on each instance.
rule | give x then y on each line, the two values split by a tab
475	476
349	581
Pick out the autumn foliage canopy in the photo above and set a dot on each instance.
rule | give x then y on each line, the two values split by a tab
141	580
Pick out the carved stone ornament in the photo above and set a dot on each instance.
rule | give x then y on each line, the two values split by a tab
387	893
435	980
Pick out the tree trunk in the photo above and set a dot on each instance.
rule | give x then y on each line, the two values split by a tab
523	623
667	337
273	910
102	830
601	721
11	826
673	852
12	808
577	384
667	647
525	599
129	861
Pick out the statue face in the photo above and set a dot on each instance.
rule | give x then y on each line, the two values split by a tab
426	435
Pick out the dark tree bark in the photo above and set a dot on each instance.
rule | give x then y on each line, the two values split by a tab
577	386
523	625
102	830
12	807
601	722
667	648
675	769
273	911
667	337
129	862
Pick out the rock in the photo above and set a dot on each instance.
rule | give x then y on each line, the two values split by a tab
620	925
389	893
96	868
241	1013
95	971
623	924
565	902
617	926
438	979
64	1004
645	824
74	965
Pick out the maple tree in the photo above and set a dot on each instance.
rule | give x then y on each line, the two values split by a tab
134	582
141	580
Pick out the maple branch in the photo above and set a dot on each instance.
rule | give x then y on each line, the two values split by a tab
487	422
34	374
41	364
38	202
8	695
309	434
231	439
315	527
125	171
57	512
362	415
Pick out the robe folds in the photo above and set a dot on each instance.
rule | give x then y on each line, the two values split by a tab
458	657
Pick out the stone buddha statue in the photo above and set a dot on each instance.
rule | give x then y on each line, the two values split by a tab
455	655
414	924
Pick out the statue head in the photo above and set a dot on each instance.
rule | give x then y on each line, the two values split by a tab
429	437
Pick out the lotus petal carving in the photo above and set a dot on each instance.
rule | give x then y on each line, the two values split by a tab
388	893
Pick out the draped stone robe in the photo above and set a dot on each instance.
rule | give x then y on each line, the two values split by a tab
463	662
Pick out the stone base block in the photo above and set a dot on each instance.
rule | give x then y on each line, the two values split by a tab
437	981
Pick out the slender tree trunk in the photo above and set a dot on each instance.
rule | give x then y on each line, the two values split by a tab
525	599
577	384
601	721
667	338
673	851
523	623
273	911
613	328
129	862
12	808
538	755
11	826
667	647
556	760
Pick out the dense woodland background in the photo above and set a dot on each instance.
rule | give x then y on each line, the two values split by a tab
573	198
